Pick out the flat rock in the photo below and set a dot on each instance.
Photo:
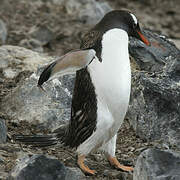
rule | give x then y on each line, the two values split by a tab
3	131
38	167
155	164
14	60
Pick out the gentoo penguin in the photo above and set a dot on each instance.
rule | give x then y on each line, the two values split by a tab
102	87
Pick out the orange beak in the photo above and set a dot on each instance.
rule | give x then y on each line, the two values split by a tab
143	39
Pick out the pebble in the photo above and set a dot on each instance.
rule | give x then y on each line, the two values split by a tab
3	131
10	73
41	33
3	32
74	174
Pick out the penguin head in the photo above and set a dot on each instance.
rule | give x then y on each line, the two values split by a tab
124	20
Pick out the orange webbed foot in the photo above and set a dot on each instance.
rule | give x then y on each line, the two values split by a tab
83	167
114	162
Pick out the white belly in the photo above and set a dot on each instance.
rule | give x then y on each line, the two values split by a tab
112	81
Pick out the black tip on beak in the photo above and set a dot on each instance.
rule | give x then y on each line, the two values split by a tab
45	74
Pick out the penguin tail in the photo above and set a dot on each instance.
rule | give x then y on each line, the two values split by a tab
42	140
36	140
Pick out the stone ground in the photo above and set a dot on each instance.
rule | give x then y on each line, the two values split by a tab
21	16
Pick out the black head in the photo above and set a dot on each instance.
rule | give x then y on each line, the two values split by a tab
123	20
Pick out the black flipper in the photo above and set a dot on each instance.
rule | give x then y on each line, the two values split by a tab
45	74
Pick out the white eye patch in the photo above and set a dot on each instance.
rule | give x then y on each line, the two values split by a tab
134	18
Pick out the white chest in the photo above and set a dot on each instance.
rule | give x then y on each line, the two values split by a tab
112	76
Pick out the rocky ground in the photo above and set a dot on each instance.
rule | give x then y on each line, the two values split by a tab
53	28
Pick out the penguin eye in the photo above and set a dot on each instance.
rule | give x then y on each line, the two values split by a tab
134	26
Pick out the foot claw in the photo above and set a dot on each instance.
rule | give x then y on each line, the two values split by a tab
125	168
114	162
89	171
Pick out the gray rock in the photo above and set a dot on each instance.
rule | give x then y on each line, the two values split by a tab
10	73
1	80
155	164
57	2
115	174
38	167
41	33
3	63
27	102
152	58
1	160
14	59
46	110
3	32
89	11
154	109
3	131
3	175
176	42
32	44
74	174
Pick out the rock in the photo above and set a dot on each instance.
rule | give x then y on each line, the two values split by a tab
3	63
10	73
3	32
38	167
1	160
152	58
3	131
43	167
27	102
41	33
154	109
57	2
74	174
114	174
155	164
89	11
3	175
176	42
14	59
45	110
9	148
32	44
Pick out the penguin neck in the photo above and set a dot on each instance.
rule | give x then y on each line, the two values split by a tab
114	54
115	46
